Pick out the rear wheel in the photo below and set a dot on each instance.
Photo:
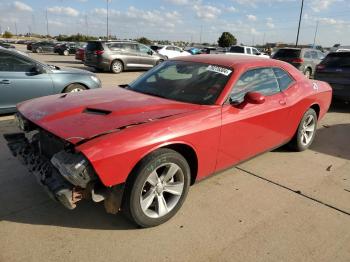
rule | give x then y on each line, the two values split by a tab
74	88
159	61
117	66
157	189
65	52
307	73
306	131
38	50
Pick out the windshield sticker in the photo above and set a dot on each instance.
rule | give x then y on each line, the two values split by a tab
220	70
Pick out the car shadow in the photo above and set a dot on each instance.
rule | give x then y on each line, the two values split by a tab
332	140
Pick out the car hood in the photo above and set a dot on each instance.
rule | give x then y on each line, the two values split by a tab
66	70
81	116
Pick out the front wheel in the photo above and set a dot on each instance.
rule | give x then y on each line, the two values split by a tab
306	131
74	88
65	52
307	73
158	188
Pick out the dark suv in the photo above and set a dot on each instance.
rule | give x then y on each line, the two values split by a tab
335	69
117	56
304	59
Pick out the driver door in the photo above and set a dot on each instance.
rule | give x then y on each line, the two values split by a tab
18	82
249	129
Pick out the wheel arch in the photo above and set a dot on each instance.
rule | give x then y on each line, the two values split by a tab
116	59
184	149
317	109
75	83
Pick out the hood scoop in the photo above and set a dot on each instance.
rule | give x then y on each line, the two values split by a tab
96	111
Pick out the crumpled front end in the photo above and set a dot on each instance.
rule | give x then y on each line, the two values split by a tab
67	176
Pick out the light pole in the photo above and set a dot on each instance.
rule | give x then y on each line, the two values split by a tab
107	19
315	34
301	13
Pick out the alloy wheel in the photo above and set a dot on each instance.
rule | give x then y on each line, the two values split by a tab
308	130
162	190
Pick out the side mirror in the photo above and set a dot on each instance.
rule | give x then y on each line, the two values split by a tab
254	98
37	70
150	52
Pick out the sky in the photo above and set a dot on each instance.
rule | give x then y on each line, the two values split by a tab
252	22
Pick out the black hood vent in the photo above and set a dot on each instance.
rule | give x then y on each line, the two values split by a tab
96	111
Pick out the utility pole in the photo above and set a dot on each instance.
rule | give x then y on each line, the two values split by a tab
16	28
315	33
47	23
301	13
107	18
200	36
263	43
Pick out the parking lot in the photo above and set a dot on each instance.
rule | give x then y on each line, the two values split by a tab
280	206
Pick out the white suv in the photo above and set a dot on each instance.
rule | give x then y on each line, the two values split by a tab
245	50
171	51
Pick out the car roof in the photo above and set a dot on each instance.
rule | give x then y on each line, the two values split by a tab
230	60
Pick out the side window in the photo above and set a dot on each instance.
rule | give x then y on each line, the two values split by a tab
249	50
314	55
255	51
170	48
307	54
130	47
11	63
320	55
143	49
260	80
177	49
283	78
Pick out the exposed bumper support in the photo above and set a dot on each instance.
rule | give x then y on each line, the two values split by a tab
46	174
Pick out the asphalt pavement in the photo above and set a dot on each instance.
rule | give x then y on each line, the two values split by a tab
280	206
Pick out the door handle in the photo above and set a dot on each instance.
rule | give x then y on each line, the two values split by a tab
5	82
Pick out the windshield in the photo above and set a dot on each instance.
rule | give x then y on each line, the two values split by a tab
189	82
337	60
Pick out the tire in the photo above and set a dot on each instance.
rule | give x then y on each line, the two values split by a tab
159	61
38	50
147	200
306	132
307	73
117	67
74	88
65	52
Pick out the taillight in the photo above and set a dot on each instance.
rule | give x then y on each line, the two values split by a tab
320	67
297	60
98	52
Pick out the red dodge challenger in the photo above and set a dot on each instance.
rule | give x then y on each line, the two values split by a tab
139	147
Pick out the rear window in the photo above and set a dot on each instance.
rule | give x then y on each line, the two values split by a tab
237	49
290	53
92	46
337	60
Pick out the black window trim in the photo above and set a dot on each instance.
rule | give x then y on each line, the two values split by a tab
227	100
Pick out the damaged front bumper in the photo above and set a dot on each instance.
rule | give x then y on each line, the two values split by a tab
66	176
56	185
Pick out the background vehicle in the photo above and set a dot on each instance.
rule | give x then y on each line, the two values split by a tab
246	50
43	47
170	51
30	46
80	54
22	78
304	59
335	70
142	145
6	45
117	56
69	48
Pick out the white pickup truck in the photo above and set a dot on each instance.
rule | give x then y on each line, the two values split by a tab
245	50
